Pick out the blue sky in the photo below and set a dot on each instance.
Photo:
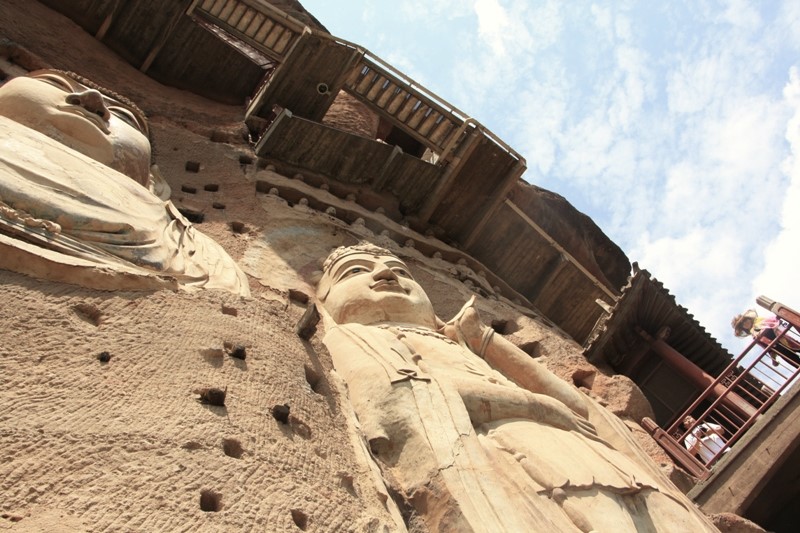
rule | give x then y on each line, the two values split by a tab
674	125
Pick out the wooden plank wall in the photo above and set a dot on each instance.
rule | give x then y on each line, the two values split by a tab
136	27
88	14
195	59
192	58
481	175
411	180
326	150
294	85
519	254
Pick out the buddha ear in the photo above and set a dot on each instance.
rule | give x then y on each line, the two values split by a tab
158	185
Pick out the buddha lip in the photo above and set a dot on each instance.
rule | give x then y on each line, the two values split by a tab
387	285
91	117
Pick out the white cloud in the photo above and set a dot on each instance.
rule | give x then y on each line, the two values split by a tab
623	28
603	20
696	83
726	168
744	137
742	14
778	280
493	23
632	81
700	256
544	22
788	20
541	117
586	147
500	59
419	10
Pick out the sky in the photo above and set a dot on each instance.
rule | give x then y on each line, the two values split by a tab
674	125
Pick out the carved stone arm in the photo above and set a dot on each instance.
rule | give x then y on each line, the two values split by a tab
468	329
506	402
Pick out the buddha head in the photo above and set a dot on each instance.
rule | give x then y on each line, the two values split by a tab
365	284
83	116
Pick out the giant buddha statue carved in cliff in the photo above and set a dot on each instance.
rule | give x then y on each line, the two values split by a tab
471	432
77	196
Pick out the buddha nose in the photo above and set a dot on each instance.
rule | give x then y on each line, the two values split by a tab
91	100
383	272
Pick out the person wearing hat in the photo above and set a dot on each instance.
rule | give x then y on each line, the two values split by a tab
766	330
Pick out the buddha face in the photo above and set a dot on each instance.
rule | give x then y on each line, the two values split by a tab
368	288
82	118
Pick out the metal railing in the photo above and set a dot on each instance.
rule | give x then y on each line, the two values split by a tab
759	375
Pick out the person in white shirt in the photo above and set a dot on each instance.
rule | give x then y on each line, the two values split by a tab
705	440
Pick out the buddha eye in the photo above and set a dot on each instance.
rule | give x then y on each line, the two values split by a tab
352	271
401	272
127	116
56	81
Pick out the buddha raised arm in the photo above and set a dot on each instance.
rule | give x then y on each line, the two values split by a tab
376	288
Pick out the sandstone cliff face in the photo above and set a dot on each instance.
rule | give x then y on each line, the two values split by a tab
127	444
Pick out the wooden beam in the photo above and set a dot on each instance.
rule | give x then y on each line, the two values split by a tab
101	32
493	203
164	34
596	282
445	183
284	114
696	375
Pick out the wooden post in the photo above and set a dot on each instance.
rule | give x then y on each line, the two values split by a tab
163	35
491	206
446	181
696	375
101	33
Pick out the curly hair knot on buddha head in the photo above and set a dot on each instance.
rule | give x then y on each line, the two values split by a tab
363	247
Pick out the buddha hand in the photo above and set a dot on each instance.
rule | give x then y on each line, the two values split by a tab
467	328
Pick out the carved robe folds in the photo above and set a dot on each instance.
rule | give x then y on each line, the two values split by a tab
66	217
472	451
